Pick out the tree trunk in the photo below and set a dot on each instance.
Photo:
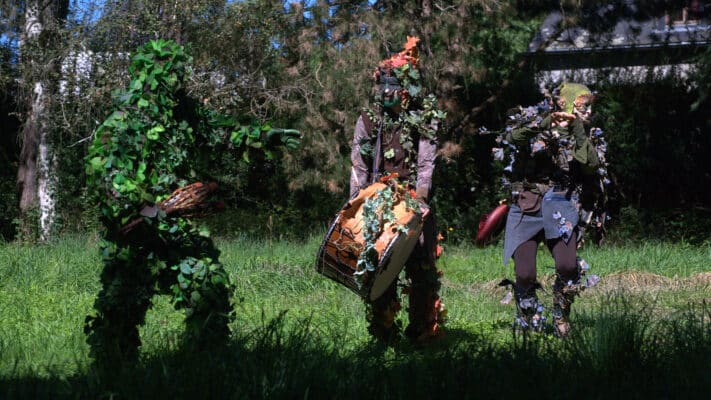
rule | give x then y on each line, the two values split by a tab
36	174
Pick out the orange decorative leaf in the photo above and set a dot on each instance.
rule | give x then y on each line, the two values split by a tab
411	42
387	178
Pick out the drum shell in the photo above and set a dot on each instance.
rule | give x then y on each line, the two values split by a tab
344	241
490	225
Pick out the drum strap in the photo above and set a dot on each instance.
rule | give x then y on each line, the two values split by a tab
367	122
377	153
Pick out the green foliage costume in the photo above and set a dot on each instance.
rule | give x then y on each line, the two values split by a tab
156	141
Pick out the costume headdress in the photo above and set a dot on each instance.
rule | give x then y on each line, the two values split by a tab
572	95
401	68
409	54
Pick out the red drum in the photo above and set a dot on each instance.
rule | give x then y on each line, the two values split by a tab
338	255
491	224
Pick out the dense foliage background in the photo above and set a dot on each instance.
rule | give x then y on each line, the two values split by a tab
307	65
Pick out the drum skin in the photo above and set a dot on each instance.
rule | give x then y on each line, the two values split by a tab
491	224
338	255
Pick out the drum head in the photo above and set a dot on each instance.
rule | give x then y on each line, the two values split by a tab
394	258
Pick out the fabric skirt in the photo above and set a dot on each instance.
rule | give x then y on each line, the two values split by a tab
557	217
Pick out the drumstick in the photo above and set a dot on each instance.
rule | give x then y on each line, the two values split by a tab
378	147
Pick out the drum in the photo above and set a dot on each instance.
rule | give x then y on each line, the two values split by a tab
338	255
491	224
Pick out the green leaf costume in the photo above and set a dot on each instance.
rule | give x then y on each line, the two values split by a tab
156	141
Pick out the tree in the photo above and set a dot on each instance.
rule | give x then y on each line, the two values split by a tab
36	175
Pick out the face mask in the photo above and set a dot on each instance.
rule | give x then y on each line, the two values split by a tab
393	100
584	111
389	90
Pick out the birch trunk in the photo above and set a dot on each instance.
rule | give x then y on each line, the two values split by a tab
36	175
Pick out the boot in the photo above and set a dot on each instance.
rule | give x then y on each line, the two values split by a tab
563	296
381	316
529	312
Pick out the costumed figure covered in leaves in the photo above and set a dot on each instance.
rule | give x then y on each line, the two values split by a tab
398	140
143	170
556	176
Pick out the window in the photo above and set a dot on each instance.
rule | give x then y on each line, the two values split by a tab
691	14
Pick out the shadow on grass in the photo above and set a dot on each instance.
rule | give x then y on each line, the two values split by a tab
621	351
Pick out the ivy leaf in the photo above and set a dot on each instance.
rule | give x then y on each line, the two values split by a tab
183	281
389	154
414	90
154	178
118	180
140	172
129	186
185	268
237	137
153	133
366	148
97	163
255	133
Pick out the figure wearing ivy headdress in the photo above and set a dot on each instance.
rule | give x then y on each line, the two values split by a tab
138	168
552	161
399	138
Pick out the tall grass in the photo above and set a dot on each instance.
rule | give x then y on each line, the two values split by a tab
645	332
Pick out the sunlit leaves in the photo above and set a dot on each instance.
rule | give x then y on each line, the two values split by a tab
154	133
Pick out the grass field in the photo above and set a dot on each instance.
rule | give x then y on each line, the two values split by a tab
644	331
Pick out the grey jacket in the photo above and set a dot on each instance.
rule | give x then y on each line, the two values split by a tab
361	171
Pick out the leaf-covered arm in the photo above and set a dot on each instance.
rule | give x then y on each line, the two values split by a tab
521	135
584	151
288	138
225	129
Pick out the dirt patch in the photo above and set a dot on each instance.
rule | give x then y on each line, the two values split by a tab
628	281
635	281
